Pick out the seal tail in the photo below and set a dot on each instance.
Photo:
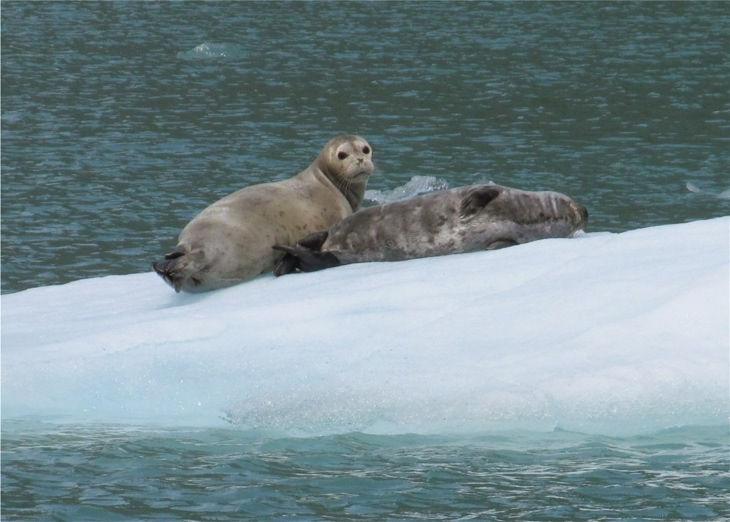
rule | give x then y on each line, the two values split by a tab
175	269
302	259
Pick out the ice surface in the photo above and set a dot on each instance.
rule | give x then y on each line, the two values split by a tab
604	333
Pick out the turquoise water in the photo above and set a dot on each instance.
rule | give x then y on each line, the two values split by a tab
121	120
123	472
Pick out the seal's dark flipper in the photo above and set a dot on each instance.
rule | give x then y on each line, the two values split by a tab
314	241
174	267
306	260
166	270
286	265
501	243
583	211
178	252
305	256
477	199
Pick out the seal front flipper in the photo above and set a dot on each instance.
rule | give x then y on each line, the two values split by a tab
305	260
286	265
477	199
501	243
291	261
315	240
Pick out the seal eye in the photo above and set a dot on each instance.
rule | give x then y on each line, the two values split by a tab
366	150
342	155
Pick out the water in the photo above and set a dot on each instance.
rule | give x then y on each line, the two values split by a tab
112	472
122	120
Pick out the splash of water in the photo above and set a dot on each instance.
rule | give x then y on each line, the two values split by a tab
415	186
209	50
691	187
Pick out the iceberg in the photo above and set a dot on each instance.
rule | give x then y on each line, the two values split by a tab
603	333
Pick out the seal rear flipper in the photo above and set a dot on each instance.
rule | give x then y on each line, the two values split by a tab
477	199
305	260
182	269
178	252
166	270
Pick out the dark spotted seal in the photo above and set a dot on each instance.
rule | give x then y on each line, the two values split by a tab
231	241
465	219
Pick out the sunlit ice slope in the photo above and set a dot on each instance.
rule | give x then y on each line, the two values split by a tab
603	333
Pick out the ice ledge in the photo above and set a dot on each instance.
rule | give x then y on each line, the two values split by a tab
608	333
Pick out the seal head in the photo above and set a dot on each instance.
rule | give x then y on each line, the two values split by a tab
347	161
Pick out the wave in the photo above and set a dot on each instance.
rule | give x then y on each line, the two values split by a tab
209	50
415	186
691	187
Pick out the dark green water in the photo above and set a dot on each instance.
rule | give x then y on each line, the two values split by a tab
118	125
110	473
115	132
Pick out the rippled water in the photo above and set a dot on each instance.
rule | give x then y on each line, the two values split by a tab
121	120
98	473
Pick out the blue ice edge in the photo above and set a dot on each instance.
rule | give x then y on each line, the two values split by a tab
612	334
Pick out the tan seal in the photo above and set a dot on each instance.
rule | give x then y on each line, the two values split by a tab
231	241
465	219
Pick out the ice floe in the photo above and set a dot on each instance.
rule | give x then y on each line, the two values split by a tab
603	333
